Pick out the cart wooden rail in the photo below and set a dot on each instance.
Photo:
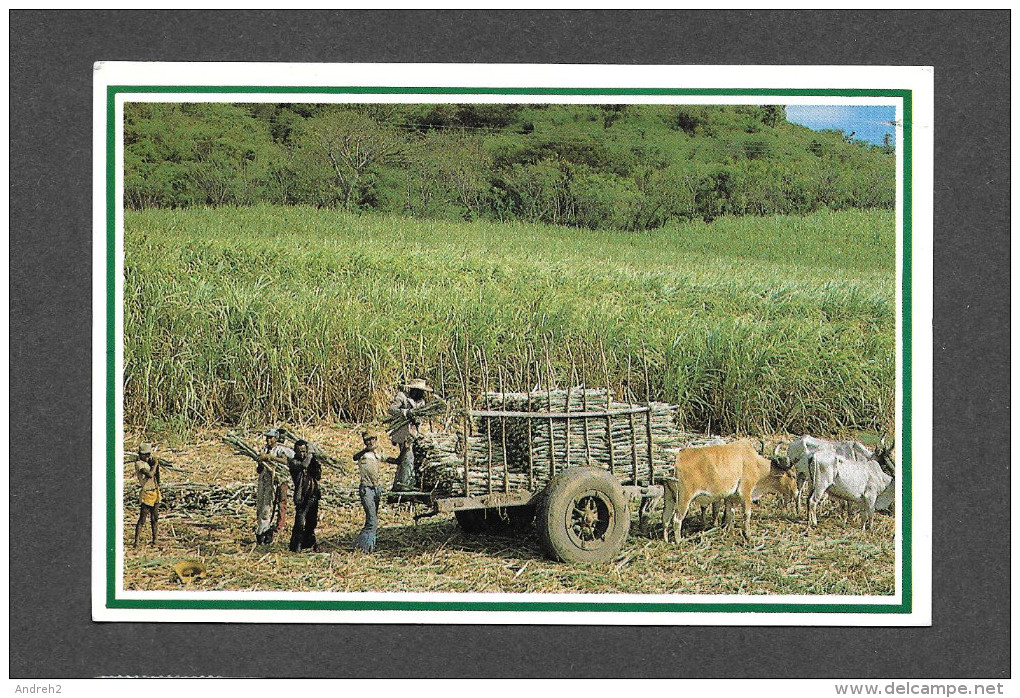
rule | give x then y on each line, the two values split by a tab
582	511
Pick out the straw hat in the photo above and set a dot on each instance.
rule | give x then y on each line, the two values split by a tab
418	384
190	571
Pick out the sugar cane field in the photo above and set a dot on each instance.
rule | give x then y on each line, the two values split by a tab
237	319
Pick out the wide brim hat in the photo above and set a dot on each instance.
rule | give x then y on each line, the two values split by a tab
418	384
189	571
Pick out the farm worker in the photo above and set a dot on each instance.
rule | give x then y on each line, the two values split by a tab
405	432
147	472
280	504
305	472
265	487
369	490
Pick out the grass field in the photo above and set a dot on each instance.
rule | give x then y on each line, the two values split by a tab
264	315
436	556
258	315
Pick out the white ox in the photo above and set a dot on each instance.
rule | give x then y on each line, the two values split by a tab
800	451
861	482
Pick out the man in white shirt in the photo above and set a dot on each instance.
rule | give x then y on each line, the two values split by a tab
265	488
369	490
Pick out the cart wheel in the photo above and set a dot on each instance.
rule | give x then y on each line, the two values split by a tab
583	516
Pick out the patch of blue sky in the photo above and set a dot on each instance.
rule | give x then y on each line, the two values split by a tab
867	123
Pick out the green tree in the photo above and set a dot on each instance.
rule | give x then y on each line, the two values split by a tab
602	166
352	144
465	167
194	154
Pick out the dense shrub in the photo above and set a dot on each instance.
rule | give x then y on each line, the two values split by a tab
628	167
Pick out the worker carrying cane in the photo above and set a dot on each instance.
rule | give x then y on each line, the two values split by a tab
404	415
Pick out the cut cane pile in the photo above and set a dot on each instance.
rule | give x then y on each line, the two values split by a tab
514	453
236	498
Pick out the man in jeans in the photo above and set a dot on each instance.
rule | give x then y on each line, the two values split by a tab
369	490
404	433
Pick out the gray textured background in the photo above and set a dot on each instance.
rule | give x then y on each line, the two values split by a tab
51	634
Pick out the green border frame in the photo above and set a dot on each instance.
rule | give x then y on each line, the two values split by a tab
112	602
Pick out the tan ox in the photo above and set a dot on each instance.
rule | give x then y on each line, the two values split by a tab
726	472
784	487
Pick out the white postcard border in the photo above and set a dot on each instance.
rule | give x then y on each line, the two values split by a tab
918	80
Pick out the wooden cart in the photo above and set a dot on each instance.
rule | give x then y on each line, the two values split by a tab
577	492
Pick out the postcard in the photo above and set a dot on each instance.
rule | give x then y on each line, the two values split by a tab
553	344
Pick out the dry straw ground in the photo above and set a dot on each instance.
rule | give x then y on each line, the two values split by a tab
436	556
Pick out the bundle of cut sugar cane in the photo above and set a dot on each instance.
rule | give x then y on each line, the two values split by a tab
441	464
507	453
316	449
131	456
615	441
433	408
243	447
210	499
246	449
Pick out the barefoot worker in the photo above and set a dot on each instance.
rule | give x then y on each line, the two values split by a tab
369	490
305	472
147	472
266	485
403	413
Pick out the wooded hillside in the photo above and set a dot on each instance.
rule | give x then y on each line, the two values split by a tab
630	167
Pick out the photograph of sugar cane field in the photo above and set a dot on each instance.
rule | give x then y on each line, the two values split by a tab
509	348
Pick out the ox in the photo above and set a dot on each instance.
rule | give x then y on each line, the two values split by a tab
861	482
705	475
785	488
801	450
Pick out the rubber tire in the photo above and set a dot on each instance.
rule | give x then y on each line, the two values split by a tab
562	492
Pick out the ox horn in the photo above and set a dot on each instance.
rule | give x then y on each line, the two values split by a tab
781	463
